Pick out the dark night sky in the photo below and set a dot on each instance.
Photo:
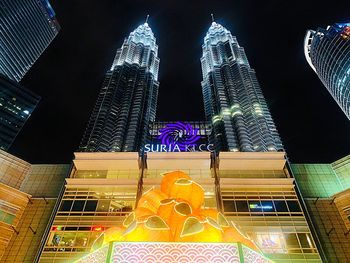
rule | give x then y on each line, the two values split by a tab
69	74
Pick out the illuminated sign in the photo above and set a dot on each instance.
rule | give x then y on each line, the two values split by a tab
177	148
178	137
180	134
257	206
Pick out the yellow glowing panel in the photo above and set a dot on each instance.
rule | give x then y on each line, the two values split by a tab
174	213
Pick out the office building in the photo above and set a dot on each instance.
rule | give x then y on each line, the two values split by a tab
233	100
26	29
328	53
16	105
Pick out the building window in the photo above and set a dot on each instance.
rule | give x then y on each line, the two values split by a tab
242	206
78	205
7	217
305	241
66	205
281	206
90	206
293	206
229	206
292	241
103	205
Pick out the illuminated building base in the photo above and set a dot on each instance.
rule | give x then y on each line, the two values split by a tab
253	191
173	252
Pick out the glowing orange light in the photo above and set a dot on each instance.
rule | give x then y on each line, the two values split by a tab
56	228
174	213
97	228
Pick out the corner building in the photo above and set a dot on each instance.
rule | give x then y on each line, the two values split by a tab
328	53
128	98
28	194
233	100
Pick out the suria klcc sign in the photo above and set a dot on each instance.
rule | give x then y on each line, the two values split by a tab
179	137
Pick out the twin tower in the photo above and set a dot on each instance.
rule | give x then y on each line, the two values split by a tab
233	102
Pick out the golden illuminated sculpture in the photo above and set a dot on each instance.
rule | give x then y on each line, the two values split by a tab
173	213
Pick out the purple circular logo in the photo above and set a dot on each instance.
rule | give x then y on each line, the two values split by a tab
179	133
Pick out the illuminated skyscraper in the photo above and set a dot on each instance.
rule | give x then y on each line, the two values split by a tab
328	53
128	97
16	105
233	100
26	29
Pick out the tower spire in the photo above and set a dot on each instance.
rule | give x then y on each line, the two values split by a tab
212	18
146	19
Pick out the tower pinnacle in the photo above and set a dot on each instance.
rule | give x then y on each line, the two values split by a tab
146	19
212	18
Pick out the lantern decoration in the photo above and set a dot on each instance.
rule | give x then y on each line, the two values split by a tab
151	199
174	213
153	228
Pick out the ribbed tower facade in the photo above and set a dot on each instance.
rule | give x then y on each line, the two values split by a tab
328	53
128	97
27	27
16	105
233	101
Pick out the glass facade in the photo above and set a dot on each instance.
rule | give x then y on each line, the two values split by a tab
16	105
258	197
328	53
83	214
233	100
273	218
26	29
316	180
342	169
327	196
128	98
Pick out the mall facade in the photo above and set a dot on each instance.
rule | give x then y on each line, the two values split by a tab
54	212
254	190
